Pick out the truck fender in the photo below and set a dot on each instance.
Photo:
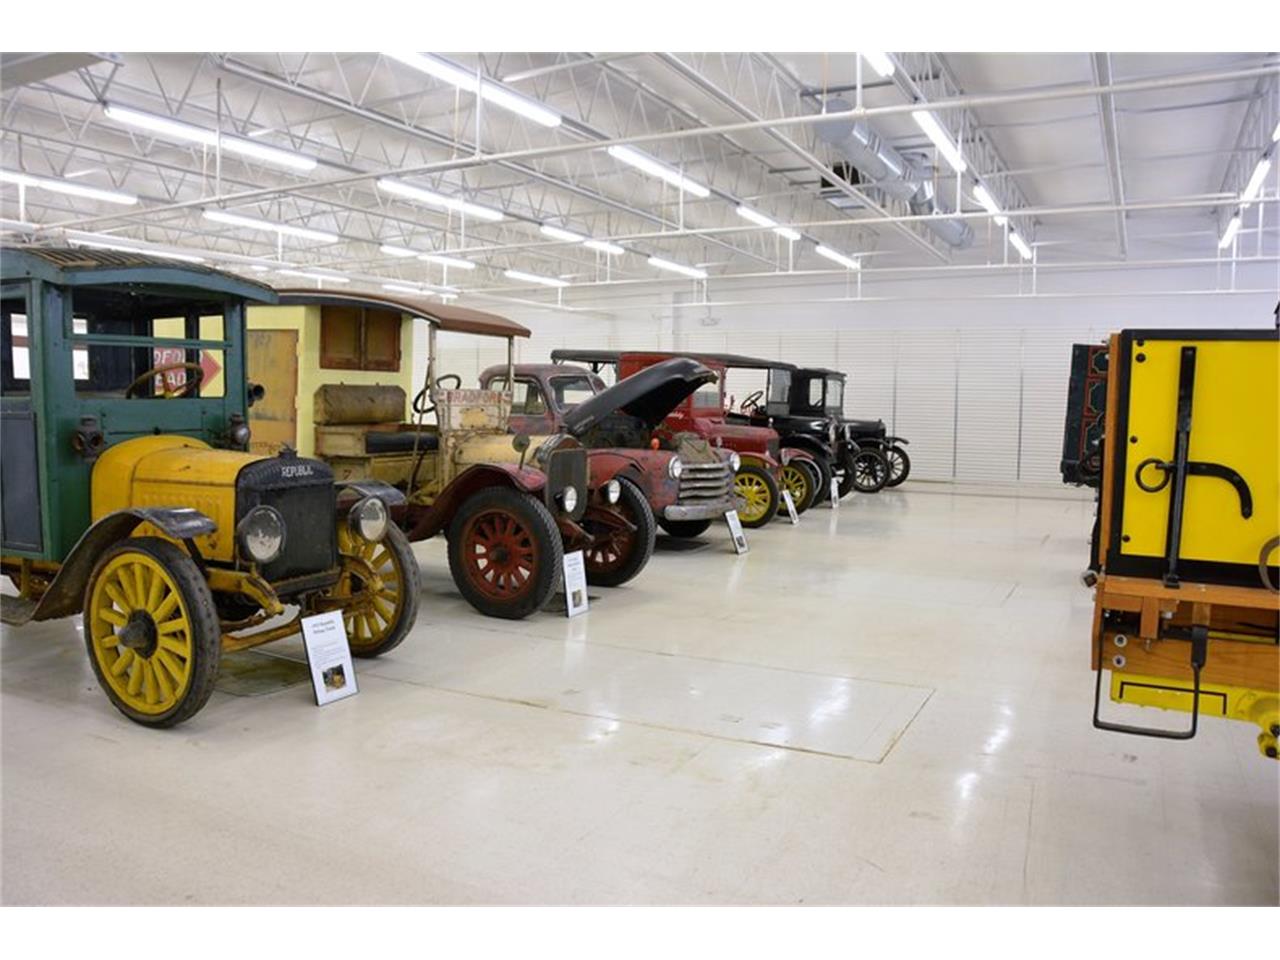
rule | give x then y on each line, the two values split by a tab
809	446
65	594
422	523
760	460
795	453
892	441
373	488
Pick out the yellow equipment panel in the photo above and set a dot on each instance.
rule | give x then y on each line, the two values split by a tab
1235	423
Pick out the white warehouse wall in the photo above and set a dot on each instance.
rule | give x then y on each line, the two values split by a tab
971	370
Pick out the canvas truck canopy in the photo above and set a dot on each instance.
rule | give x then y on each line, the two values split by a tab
649	394
448	318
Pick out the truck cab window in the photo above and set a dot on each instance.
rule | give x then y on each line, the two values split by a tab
15	351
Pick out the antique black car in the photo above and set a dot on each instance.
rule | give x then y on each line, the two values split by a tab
817	390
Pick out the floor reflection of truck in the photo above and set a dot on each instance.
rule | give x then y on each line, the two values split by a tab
683	481
510	507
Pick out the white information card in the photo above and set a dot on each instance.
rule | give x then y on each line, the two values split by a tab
791	506
575	584
333	677
735	530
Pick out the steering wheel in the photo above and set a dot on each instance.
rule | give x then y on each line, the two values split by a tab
457	381
420	404
751	402
182	391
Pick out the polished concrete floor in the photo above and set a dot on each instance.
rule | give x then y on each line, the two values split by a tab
886	704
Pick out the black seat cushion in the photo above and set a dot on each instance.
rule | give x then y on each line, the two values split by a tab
398	441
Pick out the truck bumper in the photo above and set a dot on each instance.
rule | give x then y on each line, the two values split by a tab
702	510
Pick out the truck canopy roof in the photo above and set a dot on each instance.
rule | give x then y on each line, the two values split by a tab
79	267
724	359
649	394
451	319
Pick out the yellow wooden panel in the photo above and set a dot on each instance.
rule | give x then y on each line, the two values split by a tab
273	362
1235	421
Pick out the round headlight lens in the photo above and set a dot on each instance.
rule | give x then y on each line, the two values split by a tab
369	519
261	534
569	499
735	462
675	468
613	491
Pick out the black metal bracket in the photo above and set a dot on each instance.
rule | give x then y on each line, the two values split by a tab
1199	637
1197	468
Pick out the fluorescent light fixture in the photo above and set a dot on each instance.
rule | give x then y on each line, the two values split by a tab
693	272
837	257
989	204
258	268
1230	233
880	63
1255	181
267	226
559	233
1020	245
755	216
658	169
331	277
534	278
604	246
787	233
392	250
444	261
489	90
401	288
63	186
177	130
950	152
433	199
148	251
1275	134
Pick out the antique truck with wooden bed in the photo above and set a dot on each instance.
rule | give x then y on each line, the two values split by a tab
758	481
128	493
681	479
509	506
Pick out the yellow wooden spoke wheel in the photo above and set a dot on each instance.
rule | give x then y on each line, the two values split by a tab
799	482
152	635
760	491
378	590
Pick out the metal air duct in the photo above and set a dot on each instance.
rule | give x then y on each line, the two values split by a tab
886	169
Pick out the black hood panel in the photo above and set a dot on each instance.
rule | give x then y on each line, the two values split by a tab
649	394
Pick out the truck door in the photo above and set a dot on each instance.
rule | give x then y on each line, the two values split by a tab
20	523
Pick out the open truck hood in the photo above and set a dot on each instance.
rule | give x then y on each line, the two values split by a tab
648	395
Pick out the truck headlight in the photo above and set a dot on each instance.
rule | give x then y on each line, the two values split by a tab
369	519
674	468
735	462
261	534
613	491
569	499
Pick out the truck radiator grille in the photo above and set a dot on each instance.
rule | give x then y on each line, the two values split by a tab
705	481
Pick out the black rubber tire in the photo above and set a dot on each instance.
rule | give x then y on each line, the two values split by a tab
775	496
868	470
822	492
685	529
206	635
899	466
402	557
636	507
537	519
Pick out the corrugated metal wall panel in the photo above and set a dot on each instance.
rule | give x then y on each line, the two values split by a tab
867	356
987	411
926	400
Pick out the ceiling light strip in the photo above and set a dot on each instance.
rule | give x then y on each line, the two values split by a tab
67	187
535	278
177	130
432	199
656	168
933	129
662	264
488	89
835	256
269	226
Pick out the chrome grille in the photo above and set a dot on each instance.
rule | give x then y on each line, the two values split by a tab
705	481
